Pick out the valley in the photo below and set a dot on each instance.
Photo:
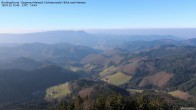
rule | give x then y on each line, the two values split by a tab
158	73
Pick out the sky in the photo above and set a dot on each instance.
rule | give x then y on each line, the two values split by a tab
99	14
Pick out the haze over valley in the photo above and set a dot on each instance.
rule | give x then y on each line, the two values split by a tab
47	69
98	55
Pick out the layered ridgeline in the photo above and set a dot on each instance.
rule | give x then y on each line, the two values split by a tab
96	40
139	45
27	70
35	54
38	75
168	68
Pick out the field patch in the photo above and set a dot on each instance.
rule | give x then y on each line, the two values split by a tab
118	78
135	91
74	69
181	95
57	92
108	71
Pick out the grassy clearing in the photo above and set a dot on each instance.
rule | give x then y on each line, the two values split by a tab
118	78
108	71
74	69
57	92
134	91
181	95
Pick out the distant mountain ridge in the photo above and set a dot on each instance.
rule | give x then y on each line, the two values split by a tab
79	38
145	45
45	37
32	55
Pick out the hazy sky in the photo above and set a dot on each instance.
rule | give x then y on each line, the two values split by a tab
101	14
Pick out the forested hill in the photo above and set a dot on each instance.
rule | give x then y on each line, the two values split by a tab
21	86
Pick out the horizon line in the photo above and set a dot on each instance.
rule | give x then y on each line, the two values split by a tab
93	29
